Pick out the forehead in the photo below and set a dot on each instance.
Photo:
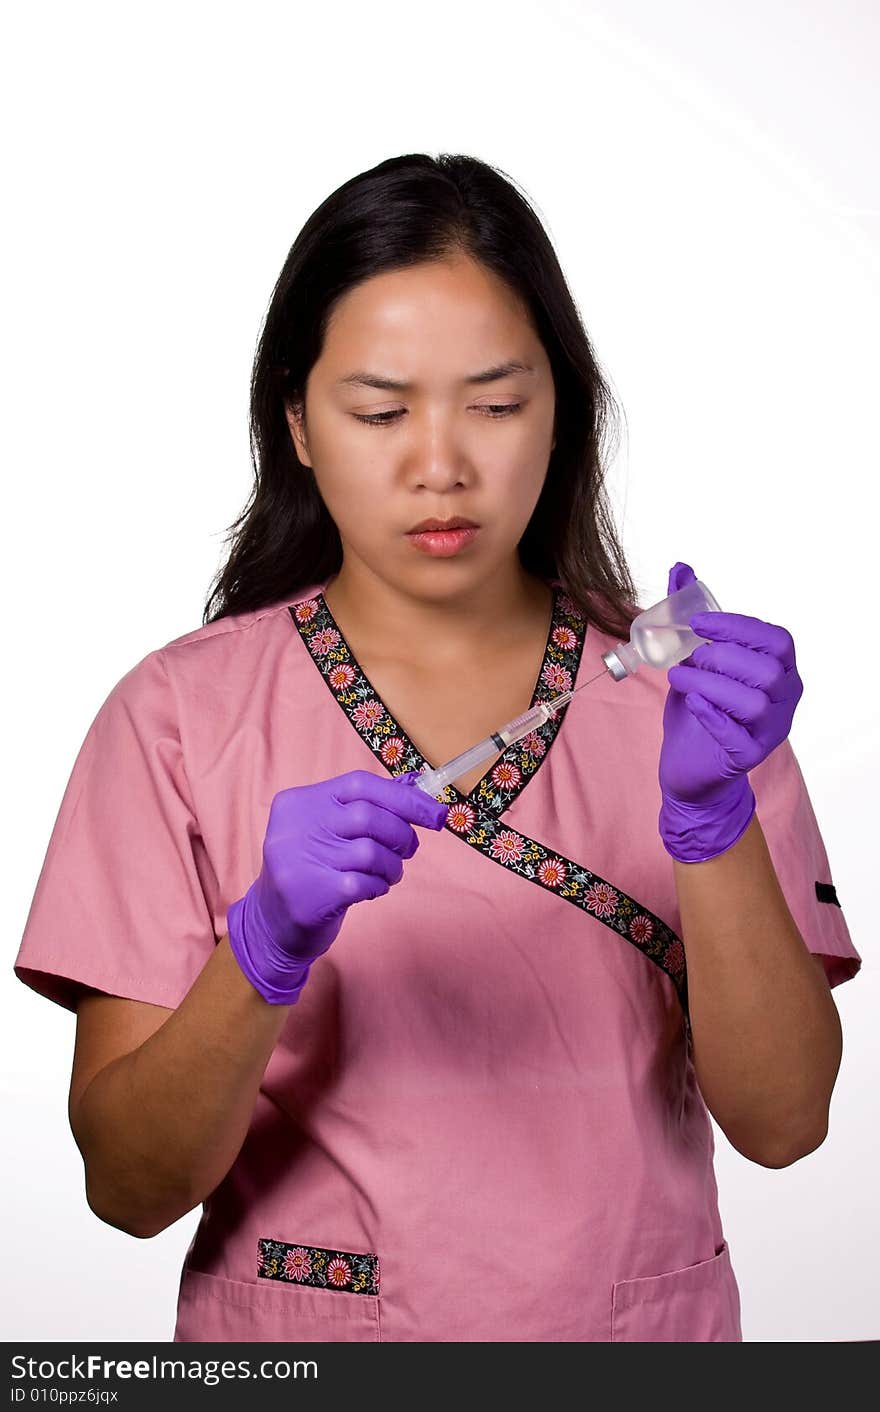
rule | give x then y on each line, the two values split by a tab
456	307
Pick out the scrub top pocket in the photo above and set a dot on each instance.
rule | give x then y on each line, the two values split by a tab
212	1309
697	1304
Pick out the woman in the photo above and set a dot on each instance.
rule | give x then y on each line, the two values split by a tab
426	1063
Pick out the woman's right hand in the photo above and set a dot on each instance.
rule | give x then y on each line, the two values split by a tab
327	845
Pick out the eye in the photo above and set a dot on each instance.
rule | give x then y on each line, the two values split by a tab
378	419
497	409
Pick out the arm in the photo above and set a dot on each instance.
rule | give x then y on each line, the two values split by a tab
766	1033
159	1128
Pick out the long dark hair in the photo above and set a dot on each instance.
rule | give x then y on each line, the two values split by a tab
405	211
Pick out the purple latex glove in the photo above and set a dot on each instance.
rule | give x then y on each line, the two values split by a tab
730	703
327	845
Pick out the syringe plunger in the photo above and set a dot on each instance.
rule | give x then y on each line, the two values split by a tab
432	781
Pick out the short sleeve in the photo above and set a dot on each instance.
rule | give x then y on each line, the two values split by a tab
789	825
120	903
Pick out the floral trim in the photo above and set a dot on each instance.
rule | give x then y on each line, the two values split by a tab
389	742
476	817
313	1265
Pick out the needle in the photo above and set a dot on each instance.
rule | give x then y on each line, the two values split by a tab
560	701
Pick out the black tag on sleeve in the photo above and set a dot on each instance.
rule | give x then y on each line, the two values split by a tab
826	892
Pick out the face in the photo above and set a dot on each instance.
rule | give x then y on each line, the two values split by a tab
387	458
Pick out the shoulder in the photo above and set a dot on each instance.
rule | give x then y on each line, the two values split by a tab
237	630
223	658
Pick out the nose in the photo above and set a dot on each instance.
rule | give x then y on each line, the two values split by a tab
439	457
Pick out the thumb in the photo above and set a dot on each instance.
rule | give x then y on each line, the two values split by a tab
679	575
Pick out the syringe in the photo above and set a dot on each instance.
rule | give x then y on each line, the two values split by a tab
433	781
660	635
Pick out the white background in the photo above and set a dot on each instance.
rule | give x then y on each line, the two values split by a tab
707	173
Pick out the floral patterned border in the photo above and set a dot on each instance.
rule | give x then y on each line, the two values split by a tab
476	817
316	1266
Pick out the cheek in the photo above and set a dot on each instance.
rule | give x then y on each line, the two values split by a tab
351	502
522	473
356	503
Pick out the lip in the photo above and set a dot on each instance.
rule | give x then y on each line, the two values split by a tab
442	544
432	526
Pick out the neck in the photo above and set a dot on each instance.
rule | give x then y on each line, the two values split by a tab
489	615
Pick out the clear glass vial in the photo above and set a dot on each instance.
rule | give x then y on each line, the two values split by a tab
660	636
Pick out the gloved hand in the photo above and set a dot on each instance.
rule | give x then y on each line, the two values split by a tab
327	845
730	703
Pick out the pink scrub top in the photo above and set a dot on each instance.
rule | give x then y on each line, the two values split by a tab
481	1121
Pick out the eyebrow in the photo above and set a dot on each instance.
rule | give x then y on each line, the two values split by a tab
501	370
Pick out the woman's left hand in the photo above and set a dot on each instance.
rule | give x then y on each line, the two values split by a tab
730	703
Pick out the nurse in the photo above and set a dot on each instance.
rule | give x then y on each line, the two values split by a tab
437	1070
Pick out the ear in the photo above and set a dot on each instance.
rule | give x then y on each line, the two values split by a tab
294	411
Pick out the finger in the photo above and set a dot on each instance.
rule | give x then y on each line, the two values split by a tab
734	739
679	575
751	632
745	703
757	669
368	857
356	887
360	819
403	800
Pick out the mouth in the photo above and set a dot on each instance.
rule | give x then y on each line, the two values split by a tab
442	544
